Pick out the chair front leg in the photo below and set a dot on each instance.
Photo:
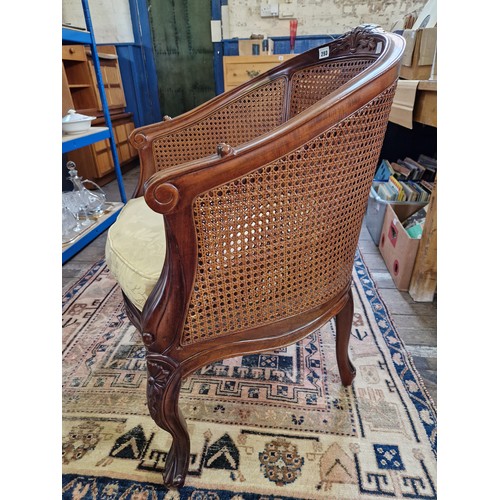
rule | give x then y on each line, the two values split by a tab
164	383
343	322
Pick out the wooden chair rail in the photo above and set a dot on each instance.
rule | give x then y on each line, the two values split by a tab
200	175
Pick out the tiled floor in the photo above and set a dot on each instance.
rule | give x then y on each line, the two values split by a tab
415	322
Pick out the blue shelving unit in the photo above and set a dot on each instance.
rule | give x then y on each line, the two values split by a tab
96	134
72	142
72	35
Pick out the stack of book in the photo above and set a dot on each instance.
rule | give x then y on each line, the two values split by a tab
406	180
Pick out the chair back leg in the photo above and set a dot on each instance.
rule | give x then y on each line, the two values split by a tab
343	322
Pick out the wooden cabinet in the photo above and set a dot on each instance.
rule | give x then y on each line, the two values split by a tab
111	78
80	92
239	69
95	161
81	87
79	80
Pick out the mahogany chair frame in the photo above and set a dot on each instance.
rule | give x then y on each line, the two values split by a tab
172	190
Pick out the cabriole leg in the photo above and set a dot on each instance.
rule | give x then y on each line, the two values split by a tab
164	383
343	322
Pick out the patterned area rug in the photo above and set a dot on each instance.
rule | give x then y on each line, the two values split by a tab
271	426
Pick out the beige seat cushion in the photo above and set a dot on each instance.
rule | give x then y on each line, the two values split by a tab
135	250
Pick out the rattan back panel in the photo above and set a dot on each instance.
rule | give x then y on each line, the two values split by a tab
311	84
281	240
243	119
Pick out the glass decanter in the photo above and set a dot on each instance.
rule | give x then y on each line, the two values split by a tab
92	201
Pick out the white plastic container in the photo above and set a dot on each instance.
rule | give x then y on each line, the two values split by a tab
375	211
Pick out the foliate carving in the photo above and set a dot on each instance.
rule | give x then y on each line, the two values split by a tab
159	376
157	382
360	38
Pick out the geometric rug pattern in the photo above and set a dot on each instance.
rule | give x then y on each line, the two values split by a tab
277	425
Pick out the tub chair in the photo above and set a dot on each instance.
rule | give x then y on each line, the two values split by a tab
241	235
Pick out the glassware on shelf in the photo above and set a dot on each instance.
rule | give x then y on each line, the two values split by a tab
77	205
93	202
69	224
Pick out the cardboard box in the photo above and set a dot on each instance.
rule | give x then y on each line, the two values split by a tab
397	248
376	208
419	53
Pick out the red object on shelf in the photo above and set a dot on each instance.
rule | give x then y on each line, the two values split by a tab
293	34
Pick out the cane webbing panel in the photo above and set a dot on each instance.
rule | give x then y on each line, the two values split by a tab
311	84
249	116
281	240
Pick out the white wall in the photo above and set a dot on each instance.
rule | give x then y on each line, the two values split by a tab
110	19
241	18
316	17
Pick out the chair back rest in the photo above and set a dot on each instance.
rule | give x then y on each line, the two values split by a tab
311	84
235	122
262	236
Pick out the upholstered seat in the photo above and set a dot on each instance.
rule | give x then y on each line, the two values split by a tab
243	229
137	229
